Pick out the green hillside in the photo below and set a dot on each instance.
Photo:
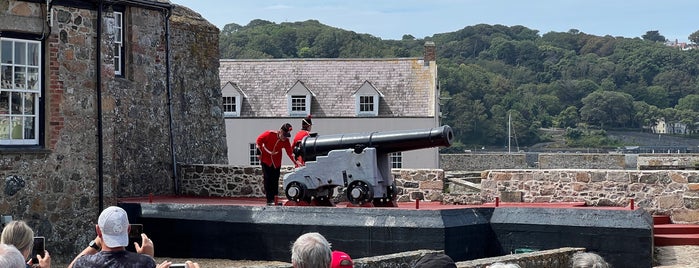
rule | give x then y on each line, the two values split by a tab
584	84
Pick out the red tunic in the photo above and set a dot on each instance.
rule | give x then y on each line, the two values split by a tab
271	148
299	136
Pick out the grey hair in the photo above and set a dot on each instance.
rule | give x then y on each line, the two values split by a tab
588	260
311	250
504	265
10	257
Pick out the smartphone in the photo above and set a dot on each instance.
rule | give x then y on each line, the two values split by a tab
178	265
38	248
135	232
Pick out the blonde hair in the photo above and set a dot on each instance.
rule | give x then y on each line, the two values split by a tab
20	235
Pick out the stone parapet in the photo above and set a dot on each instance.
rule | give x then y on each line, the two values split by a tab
670	192
452	162
246	181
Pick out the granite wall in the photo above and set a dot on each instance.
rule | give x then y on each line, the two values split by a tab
120	130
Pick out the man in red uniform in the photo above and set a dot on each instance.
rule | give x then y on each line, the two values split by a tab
306	124
270	143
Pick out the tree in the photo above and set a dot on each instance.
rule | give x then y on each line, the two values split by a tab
654	36
694	37
607	108
690	102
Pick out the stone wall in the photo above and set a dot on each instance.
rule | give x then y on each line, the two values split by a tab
246	181
582	161
479	162
55	186
670	192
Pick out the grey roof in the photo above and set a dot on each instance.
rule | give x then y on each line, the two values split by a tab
408	85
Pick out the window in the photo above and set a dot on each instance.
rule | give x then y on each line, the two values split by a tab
366	104
20	90
396	160
254	155
118	43
232	97
298	99
366	100
298	104
230	106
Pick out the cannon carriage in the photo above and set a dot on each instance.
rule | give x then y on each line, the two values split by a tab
360	162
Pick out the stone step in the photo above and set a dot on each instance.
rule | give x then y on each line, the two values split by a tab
661	219
675	240
676	229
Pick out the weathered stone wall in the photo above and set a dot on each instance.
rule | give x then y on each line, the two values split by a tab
479	162
246	181
55	187
671	192
586	161
668	161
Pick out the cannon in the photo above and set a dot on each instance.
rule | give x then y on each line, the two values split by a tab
357	161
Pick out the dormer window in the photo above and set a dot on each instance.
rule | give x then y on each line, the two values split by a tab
367	100
299	99
232	99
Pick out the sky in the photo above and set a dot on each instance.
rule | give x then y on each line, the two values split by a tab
391	19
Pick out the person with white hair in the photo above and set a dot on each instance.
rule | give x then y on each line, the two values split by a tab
504	265
10	257
311	250
588	260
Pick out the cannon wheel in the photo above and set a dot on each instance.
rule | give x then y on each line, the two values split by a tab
359	192
296	191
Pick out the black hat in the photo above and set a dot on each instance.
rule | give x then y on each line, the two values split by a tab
286	128
307	121
435	260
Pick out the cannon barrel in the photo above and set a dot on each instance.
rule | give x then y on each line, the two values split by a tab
385	142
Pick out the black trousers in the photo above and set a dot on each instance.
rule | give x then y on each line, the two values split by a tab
271	182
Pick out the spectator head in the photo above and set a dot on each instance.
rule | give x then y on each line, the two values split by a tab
311	250
588	260
10	257
435	260
19	235
341	260
114	226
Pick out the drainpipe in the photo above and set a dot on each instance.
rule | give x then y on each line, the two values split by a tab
98	67
169	100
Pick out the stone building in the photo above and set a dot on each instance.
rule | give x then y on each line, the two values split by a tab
101	100
342	95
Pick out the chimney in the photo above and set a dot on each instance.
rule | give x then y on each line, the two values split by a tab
430	53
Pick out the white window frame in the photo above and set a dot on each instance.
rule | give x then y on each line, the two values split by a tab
360	103
396	159
20	89
118	43
253	155
231	106
299	105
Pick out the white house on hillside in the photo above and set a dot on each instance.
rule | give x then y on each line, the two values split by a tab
342	96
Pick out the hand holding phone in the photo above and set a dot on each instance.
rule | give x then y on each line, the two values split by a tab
38	249
178	265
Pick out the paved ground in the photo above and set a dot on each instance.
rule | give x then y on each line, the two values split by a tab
677	256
